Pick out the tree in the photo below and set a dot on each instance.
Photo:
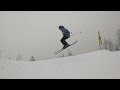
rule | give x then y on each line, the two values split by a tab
111	45
0	54
9	58
69	53
116	48
32	58
105	44
118	40
118	35
19	57
62	55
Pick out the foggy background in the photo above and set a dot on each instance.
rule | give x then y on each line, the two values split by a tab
36	33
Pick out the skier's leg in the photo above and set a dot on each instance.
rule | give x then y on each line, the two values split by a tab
66	41
63	40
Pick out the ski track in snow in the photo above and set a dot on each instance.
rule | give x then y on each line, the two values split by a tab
99	64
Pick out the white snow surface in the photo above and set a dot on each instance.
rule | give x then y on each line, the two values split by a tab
95	65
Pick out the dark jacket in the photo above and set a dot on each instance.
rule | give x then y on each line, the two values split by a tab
65	32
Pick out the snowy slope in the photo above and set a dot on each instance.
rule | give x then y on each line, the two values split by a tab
98	64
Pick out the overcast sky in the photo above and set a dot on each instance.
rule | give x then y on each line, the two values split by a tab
37	34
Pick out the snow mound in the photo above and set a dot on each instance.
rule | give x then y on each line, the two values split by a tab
95	65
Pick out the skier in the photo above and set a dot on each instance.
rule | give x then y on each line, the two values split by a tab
66	35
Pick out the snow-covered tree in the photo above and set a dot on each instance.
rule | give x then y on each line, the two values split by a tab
19	57
32	58
69	53
118	40
111	45
0	54
9	58
62	55
118	35
105	44
116	48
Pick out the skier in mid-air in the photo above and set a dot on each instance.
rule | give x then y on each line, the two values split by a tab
66	35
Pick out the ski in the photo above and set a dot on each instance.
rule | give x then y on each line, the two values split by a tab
57	52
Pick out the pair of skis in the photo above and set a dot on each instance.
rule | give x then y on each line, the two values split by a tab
57	52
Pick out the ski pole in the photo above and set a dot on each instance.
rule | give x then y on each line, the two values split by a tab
75	34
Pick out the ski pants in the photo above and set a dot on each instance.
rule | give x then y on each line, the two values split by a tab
63	40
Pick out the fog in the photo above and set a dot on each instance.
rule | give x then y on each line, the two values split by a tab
36	33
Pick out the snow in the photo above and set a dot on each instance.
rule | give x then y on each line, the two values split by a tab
95	65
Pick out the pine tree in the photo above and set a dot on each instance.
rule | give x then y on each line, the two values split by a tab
0	54
70	53
19	57
32	58
62	55
111	45
118	39
105	44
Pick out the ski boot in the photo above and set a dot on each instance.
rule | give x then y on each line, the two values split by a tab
66	46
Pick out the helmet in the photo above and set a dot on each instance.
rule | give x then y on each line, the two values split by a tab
61	27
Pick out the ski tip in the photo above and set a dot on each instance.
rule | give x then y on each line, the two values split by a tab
76	41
